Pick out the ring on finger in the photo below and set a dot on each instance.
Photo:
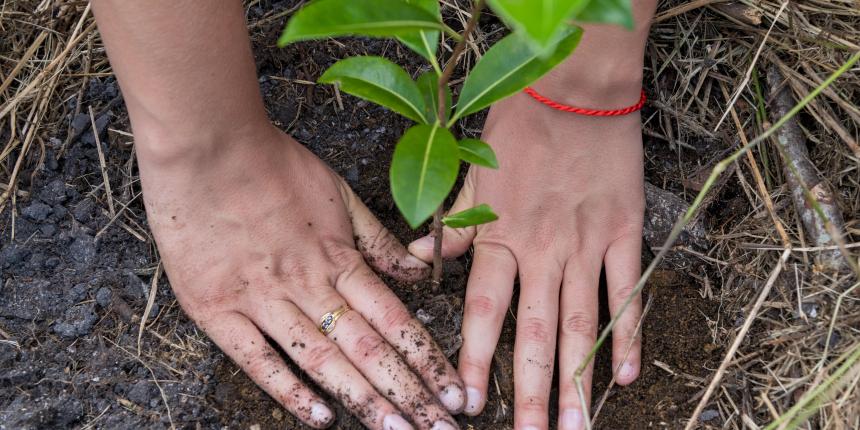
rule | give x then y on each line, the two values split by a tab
327	322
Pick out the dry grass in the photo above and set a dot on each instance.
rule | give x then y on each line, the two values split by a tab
702	55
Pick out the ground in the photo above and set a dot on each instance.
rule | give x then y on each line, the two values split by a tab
76	281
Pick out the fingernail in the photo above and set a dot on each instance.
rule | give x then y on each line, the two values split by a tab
320	413
395	422
529	428
571	419
452	398
627	371
473	401
443	425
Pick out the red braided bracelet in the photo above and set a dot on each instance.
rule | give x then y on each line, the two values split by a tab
582	111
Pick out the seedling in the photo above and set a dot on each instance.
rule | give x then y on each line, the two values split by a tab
427	157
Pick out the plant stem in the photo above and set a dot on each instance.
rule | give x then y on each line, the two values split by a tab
437	249
471	25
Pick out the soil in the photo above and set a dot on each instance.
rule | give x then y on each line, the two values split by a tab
75	282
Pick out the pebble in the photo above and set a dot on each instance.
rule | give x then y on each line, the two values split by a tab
83	250
141	393
77	321
12	255
53	192
48	230
37	211
104	296
709	414
83	212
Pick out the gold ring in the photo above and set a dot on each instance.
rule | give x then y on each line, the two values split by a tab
328	320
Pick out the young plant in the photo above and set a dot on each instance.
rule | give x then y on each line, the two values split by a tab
427	157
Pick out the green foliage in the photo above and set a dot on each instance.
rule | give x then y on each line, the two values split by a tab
428	83
424	42
379	80
423	171
509	66
427	157
477	215
379	18
477	152
619	12
540	22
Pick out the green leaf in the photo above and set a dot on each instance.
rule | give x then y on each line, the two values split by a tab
509	66
480	214
379	18
379	80
424	42
428	83
618	12
478	152
423	171
542	22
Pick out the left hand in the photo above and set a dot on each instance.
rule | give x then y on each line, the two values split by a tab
569	194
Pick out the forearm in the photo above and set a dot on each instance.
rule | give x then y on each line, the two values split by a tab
186	71
605	70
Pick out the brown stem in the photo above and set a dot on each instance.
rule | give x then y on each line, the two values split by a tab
471	25
437	249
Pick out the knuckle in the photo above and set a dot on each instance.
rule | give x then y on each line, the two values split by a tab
536	404
475	366
258	362
622	341
536	330
318	356
622	292
481	306
494	247
340	254
382	240
394	317
579	324
370	347
628	225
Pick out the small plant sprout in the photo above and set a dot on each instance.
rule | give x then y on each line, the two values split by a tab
427	157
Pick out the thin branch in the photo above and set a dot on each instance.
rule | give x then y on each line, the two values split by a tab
438	230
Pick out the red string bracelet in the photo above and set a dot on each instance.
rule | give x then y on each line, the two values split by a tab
582	111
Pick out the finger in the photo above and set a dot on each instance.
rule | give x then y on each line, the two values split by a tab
534	348
367	294
379	362
623	268
488	296
245	345
379	247
455	241
321	359
578	329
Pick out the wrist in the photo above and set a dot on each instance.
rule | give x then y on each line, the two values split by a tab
595	90
166	145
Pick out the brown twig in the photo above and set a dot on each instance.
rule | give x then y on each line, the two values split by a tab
471	25
800	171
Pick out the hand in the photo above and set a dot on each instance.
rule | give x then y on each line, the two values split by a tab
569	194
257	237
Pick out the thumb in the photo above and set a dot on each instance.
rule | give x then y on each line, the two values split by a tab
455	241
380	249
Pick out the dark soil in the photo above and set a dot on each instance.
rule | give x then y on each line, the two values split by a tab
75	283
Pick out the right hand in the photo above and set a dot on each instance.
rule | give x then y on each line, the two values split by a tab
259	237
